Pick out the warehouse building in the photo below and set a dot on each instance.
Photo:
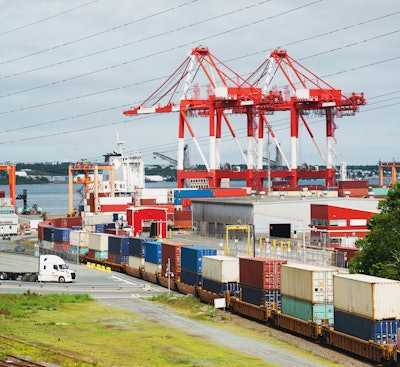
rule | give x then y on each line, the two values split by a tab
211	215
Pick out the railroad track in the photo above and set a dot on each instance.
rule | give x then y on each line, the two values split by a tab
11	360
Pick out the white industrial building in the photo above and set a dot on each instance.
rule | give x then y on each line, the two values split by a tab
211	215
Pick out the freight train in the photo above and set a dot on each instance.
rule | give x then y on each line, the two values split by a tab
255	294
323	334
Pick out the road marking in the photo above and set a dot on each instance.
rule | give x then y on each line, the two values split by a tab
118	279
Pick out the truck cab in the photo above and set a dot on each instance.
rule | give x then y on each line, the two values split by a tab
53	268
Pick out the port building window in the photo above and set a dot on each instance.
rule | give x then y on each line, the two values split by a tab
319	222
358	222
337	223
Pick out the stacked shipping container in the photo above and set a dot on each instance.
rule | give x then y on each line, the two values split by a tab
367	307
307	292
191	263
220	273
260	281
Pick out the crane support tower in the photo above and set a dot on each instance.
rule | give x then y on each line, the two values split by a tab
12	182
89	183
229	94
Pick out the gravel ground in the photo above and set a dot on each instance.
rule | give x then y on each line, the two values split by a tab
262	350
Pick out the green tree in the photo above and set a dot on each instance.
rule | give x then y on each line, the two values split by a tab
380	249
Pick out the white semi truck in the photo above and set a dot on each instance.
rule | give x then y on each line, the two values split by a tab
52	268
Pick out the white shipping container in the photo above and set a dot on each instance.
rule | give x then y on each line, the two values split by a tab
98	241
367	296
118	200
90	219
152	268
136	262
79	238
220	268
309	283
161	194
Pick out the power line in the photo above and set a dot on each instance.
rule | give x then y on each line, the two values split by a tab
98	33
47	18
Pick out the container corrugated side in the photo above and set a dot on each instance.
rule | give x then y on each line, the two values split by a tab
190	277
372	297
218	287
136	246
152	268
93	219
61	234
261	272
380	331
98	241
118	245
171	251
220	268
79	238
191	257
153	252
309	283
135	262
261	297
308	311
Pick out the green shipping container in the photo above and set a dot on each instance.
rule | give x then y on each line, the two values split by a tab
307	311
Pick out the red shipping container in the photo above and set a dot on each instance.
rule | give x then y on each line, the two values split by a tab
148	201
259	272
61	246
111	258
182	223
231	191
114	208
91	254
186	203
183	215
171	251
115	231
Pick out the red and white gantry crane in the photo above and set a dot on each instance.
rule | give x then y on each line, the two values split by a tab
230	94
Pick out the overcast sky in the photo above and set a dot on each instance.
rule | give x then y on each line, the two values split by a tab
70	68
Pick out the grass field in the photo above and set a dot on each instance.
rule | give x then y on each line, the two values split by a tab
70	330
73	330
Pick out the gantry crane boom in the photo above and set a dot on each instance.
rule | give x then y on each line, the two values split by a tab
228	93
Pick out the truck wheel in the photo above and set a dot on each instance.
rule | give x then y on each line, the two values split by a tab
61	280
24	278
33	278
3	276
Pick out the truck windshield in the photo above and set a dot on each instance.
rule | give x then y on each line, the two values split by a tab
63	266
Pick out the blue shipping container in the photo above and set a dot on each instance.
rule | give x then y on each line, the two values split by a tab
48	233
191	257
218	287
177	201
136	246
259	296
61	234
193	193
191	278
121	259
99	228
380	331
153	252
307	311
118	245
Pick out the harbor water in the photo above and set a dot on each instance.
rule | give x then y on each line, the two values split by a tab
54	198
